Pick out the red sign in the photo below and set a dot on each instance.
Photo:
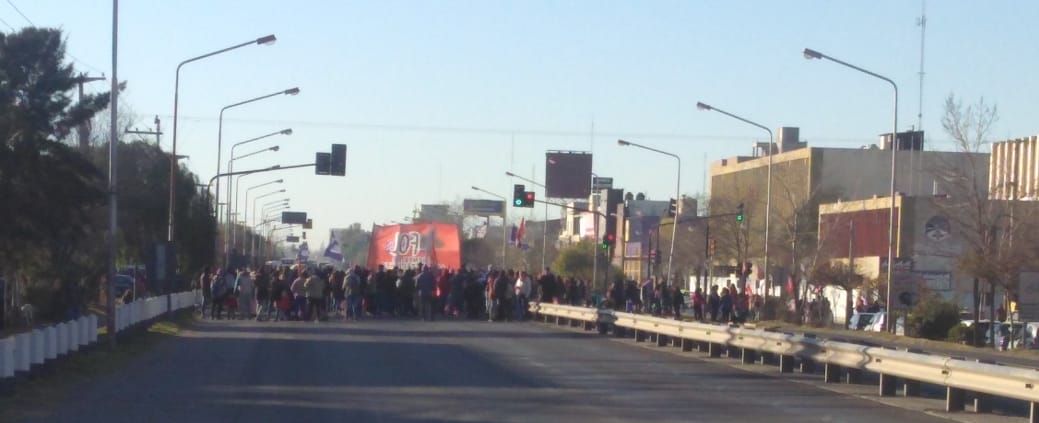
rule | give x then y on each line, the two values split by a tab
407	246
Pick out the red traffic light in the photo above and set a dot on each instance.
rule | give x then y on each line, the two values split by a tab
530	196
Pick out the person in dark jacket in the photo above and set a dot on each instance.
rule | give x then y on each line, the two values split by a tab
425	288
725	305
713	302
677	301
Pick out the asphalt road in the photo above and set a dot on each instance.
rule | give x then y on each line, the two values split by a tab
445	371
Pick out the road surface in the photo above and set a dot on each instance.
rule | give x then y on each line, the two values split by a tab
446	371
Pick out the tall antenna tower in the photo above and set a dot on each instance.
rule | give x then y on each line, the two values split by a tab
922	23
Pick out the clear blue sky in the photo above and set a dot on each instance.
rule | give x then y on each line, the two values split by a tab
433	97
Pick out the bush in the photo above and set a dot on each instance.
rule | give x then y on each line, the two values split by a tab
933	319
960	333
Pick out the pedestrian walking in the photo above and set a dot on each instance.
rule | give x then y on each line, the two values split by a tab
425	286
246	292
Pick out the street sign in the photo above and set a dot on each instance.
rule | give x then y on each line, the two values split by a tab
292	238
600	183
294	218
483	207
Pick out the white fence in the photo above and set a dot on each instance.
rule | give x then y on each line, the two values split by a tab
839	359
25	352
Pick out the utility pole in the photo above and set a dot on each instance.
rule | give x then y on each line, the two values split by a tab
112	186
83	131
156	132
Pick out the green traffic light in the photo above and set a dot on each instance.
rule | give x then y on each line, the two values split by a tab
739	217
518	202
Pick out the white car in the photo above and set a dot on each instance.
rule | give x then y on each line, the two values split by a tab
874	322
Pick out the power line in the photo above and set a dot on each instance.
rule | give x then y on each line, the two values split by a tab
5	23
495	131
20	13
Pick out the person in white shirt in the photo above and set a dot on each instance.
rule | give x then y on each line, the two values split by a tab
246	294
522	291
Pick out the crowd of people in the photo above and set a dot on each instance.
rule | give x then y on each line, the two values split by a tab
658	299
322	293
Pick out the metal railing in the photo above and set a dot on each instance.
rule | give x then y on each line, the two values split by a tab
839	359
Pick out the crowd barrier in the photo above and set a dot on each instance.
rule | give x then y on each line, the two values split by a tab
25	353
840	361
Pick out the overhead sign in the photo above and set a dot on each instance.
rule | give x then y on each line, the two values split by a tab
294	218
483	207
567	174
292	238
600	183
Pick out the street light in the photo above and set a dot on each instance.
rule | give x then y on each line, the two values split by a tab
812	54
247	190
544	227
504	228
265	40
220	130
768	184
231	232
246	215
678	197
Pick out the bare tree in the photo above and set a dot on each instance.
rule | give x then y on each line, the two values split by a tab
987	226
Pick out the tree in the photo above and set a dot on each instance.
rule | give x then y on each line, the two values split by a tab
577	261
48	188
987	226
840	275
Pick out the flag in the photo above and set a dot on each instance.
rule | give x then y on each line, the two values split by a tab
334	250
520	232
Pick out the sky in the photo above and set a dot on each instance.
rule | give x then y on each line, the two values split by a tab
434	97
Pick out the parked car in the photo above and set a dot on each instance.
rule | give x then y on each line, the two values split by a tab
1025	334
874	322
122	284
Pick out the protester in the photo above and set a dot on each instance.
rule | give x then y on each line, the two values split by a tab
244	288
315	291
426	285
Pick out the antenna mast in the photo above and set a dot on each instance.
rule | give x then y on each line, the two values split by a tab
922	23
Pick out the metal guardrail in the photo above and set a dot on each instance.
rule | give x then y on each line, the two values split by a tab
840	359
28	352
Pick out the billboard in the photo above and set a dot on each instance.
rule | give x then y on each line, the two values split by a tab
568	174
483	207
294	218
407	246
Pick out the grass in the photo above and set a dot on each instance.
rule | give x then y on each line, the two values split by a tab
41	392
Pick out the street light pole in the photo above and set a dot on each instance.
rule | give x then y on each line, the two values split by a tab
504	228
812	54
768	185
229	230
544	226
113	198
678	197
220	132
269	39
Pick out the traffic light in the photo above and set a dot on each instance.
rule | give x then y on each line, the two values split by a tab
521	197
672	211
711	244
337	166
322	163
739	213
607	241
518	192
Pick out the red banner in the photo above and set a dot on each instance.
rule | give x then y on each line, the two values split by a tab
407	246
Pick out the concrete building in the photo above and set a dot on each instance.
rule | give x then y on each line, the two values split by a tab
805	177
1014	169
